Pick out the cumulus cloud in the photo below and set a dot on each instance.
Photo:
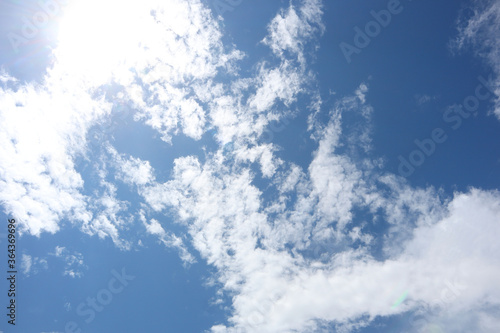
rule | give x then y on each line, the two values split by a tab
181	49
132	171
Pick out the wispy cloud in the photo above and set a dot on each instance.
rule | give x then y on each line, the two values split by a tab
481	33
422	99
168	239
73	261
32	265
132	171
280	290
332	243
265	250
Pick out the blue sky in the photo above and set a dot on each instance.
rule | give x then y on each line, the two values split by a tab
233	166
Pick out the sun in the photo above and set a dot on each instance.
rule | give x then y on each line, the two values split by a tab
99	39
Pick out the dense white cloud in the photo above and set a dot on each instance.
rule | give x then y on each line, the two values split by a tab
180	48
289	262
292	27
5	77
42	129
132	171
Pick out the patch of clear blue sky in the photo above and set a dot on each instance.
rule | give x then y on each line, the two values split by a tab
410	57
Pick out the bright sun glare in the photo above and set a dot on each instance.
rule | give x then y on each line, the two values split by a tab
97	38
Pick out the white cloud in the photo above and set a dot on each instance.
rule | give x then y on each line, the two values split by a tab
74	264
5	77
481	32
168	239
132	171
26	263
335	243
434	249
110	216
45	127
42	129
180	48
67	306
291	28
